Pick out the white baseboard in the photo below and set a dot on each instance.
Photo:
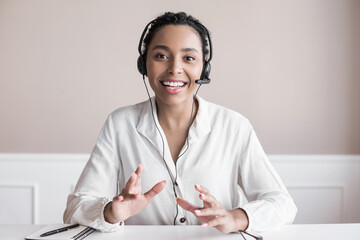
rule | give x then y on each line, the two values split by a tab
34	187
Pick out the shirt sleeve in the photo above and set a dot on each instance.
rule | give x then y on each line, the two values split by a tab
97	184
270	205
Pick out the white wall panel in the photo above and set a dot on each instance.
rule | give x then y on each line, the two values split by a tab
318	203
55	174
34	187
18	203
326	188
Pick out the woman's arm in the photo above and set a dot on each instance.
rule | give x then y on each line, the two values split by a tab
95	201
270	204
97	184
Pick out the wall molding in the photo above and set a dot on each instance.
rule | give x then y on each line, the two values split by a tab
304	175
34	195
44	156
276	158
312	158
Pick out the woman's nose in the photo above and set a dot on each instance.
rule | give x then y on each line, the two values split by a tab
175	67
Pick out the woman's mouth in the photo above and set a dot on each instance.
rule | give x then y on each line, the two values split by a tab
173	86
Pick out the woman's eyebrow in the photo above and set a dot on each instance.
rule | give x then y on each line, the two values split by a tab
163	47
190	50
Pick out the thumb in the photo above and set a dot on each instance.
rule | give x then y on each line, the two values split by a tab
156	189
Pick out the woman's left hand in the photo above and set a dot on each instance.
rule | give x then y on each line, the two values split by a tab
213	214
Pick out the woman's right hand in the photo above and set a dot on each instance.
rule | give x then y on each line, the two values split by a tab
131	200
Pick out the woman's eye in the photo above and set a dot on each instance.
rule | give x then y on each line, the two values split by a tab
188	58
161	56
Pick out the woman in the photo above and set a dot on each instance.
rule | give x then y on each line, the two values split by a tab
198	162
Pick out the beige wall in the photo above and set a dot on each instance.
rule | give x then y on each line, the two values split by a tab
291	66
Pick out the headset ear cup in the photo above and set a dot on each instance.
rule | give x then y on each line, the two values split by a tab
141	64
207	69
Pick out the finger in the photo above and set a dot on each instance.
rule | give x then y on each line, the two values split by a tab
213	223
209	200
186	205
130	196
205	195
132	187
155	190
129	191
131	181
118	198
202	189
210	212
139	171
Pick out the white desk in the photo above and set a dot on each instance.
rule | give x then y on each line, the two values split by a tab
291	232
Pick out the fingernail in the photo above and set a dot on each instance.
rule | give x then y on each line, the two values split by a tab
164	181
197	211
202	196
197	185
204	225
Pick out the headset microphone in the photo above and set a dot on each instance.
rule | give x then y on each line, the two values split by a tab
202	81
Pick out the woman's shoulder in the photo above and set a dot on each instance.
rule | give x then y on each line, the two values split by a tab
223	112
221	117
129	112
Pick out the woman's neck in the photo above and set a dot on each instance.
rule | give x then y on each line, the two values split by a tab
175	117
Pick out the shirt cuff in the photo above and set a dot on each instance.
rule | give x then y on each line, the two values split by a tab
250	218
104	226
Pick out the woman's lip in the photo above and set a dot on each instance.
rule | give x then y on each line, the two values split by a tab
172	80
173	89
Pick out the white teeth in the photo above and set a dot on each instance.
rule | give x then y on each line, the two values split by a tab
173	84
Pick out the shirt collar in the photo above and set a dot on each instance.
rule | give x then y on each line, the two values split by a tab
199	128
201	125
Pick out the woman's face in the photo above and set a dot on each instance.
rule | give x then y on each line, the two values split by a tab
174	61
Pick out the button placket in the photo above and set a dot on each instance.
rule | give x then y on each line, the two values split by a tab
181	218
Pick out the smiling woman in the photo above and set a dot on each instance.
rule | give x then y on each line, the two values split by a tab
174	61
195	159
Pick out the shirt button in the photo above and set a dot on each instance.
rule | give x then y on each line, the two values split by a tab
182	220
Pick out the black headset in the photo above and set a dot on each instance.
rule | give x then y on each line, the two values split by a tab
205	74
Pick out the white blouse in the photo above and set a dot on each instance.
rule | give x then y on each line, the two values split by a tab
224	155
